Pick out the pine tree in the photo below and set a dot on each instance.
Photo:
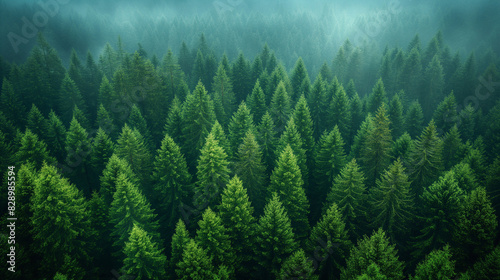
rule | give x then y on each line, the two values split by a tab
446	115
358	143
241	77
61	224
129	208
32	150
241	122
411	72
286	180
220	135
198	116
432	85
130	147
377	97
81	117
414	119
102	150
257	102
180	239
348	192
357	115
426	159
465	176
107	96
326	72
173	77
185	58
328	161
485	269
256	69
292	137
329	240
136	121
375	157
36	122
298	266
11	103
171	182
280	108
251	170
266	138
109	179
299	74
402	148
56	136
377	250
396	116
275	239
195	263
393	203
212	236
212	174
173	126
143	258
318	104
340	114
437	265
224	99
69	97
105	121
440	208
236	215
454	148
340	64
476	228
78	149
277	76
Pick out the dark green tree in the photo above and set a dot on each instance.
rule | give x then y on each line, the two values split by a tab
240	76
136	121
241	122
114	167
69	97
485	269
220	136
78	149
130	147
102	150
257	102
329	242
286	180
446	115
224	99
402	148
280	108
318	104
180	239
426	160
11	104
304	124
454	148
377	250
56	136
298	266
357	147
348	192
249	167
266	137
396	116
292	137
275	239
377	97
195	263
414	119
33	150
174	124
432	85
36	122
340	113
299	74
144	260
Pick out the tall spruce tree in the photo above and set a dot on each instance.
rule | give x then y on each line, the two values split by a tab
11	104
280	108
173	126
396	116
78	149
292	137
340	114
304	124
241	122
180	239
130	147
33	150
56	136
257	102
437	265
286	180
102	150
195	263
224	99
298	266
114	167
266	137
414	119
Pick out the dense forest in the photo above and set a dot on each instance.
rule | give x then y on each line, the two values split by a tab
217	158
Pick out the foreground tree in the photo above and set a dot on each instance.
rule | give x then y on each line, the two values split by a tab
180	239
144	259
436	266
377	250
195	263
298	266
32	150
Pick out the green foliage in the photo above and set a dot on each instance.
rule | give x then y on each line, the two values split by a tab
69	97
438	265
180	239
375	156
304	124
102	150
340	113
396	116
298	266
299	74
275	240
32	150
402	148
329	242
348	192
78	149
114	167
414	119
61	224
454	147
56	136
257	102
130	147
171	183
173	126
36	122
286	181
195	263
392	202
136	121
358	144
266	138
224	98
377	97
236	214
318	104
240	71
485	269
280	108
212	174
377	250
426	159
291	137
11	103
251	170
241	122
144	259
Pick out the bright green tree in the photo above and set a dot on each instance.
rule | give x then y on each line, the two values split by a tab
241	122
257	102
129	208
31	149
195	263
61	222
105	121
275	239
426	159
220	135
102	150
298	266
173	126
329	242
224	99
375	156
171	183
130	147
236	215
348	192
56	136
340	113
304	124
114	167
286	180
251	170
377	250
414	119
359	140
438	265
212	174
144	260
292	137
180	239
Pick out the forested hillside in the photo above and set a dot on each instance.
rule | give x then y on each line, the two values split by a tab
192	164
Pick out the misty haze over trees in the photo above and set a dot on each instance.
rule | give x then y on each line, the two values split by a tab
237	139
